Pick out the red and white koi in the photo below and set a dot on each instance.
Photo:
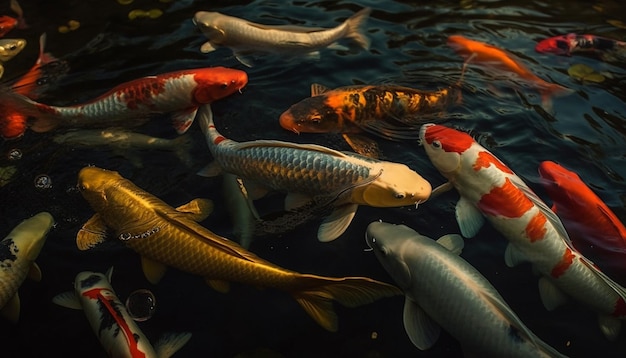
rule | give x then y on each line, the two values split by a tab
489	189
565	45
129	104
111	322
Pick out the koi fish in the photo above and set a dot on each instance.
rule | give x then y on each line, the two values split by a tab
307	170
503	61
18	252
8	49
8	23
390	112
179	92
565	45
117	332
489	189
444	291
165	236
244	36
592	226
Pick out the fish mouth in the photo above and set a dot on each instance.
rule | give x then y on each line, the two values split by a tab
286	121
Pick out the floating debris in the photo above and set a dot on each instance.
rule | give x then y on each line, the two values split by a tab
6	174
141	305
43	181
14	154
71	26
152	13
584	73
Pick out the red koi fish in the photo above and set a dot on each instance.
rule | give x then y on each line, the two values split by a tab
565	45
503	61
129	104
592	226
489	189
8	23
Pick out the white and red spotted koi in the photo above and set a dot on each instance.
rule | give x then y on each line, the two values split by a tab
130	104
491	190
117	332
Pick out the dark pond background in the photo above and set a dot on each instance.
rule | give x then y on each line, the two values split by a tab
585	132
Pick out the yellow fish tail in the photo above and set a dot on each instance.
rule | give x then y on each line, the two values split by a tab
317	297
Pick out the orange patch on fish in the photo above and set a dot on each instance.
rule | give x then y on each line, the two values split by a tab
536	228
485	159
506	200
564	264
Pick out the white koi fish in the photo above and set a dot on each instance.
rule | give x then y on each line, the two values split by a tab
244	36
307	170
489	189
18	252
444	291
117	332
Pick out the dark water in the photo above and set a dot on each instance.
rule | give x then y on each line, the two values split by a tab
585	132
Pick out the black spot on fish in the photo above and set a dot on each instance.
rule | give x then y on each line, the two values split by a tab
89	281
8	252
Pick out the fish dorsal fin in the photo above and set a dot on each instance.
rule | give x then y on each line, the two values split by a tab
182	120
218	285
336	223
92	233
469	218
290	28
512	256
318	89
281	144
296	200
34	272
153	270
453	242
198	209
67	299
170	343
11	309
610	326
420	328
109	274
551	296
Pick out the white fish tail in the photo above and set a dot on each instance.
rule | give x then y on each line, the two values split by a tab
355	27
170	343
205	121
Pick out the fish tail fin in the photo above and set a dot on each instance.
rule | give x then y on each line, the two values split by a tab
17	104
550	91
170	343
355	27
318	293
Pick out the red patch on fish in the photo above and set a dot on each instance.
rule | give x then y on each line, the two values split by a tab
620	308
141	92
451	139
506	200
564	264
485	159
536	228
218	140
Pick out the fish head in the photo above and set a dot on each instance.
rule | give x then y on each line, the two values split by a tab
10	47
444	147
93	183
560	183
389	243
30	235
311	115
209	24
7	23
558	45
395	185
214	83
88	280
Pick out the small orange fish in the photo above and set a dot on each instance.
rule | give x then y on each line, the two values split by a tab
503	61
8	23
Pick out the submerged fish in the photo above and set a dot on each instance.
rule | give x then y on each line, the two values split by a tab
491	190
117	332
165	236
8	49
307	170
590	223
129	104
18	252
444	291
244	36
8	23
565	45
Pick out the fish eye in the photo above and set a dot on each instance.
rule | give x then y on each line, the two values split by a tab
436	144
562	44
316	118
399	196
12	47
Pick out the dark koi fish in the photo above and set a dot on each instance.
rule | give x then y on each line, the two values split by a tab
565	45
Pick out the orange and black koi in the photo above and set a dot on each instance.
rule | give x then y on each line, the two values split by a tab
388	111
565	45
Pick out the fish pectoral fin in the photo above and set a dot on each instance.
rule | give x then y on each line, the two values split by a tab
294	201
389	131
153	270
245	58
452	242
420	328
218	285
337	47
34	272
170	343
92	233
182	120
470	220
318	89
336	223
11	309
610	326
68	300
551	296
210	170
207	47
198	209
513	257
445	187
362	145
